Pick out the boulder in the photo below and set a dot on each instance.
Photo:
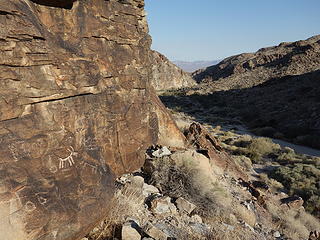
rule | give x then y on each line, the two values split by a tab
314	235
200	228
206	144
76	111
148	190
129	232
277	234
185	206
155	232
294	202
137	181
196	219
161	152
162	205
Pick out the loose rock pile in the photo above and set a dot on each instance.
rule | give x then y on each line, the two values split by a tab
190	194
157	216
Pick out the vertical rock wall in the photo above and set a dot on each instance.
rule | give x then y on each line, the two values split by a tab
75	111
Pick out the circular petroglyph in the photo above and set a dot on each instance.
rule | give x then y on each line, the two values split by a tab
30	206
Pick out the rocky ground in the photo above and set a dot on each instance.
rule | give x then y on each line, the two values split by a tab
202	193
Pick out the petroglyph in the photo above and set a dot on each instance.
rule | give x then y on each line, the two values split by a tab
30	206
53	169
90	144
18	150
38	147
68	161
54	234
41	197
93	168
50	163
13	152
81	124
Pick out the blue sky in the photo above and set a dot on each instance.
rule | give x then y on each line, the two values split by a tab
213	29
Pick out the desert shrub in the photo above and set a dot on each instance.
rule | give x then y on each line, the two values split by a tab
288	155
261	147
313	205
274	184
278	135
125	202
242	143
244	162
309	140
295	224
254	148
295	131
186	178
265	131
248	114
303	180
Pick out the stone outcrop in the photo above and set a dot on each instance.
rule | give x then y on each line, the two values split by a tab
166	75
207	145
251	69
76	110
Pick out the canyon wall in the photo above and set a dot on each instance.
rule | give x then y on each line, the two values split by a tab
166	75
76	110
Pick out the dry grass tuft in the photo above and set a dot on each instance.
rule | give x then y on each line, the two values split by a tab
126	202
294	223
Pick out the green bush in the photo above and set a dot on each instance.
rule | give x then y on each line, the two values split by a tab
260	147
303	180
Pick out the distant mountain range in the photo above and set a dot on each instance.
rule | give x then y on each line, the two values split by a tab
195	65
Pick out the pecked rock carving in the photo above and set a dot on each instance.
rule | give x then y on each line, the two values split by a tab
76	110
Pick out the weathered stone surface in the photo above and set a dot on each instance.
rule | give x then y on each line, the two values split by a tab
149	190
129	232
166	75
161	152
207	145
162	205
155	232
293	202
76	110
314	235
196	219
168	133
137	181
185	206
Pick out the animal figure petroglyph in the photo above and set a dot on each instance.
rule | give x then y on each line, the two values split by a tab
68	161
94	169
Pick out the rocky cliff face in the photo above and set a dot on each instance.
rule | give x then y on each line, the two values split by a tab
251	69
76	110
166	75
